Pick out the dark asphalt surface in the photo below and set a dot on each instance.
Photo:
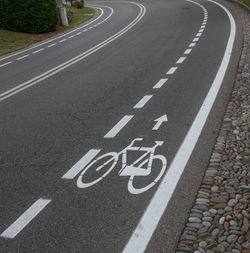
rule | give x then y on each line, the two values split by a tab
47	128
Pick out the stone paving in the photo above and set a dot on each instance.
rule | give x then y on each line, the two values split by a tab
219	219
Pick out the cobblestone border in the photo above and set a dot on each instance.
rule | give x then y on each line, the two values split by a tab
219	219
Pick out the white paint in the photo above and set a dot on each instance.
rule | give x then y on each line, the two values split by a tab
192	45
79	33
159	122
7	63
151	217
84	161
52	45
25	218
172	70
198	34
201	30
143	101
196	39
188	51
37	51
58	37
74	60
22	57
203	26
62	41
181	60
72	36
204	23
118	127
160	83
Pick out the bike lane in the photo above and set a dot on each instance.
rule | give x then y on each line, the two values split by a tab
107	214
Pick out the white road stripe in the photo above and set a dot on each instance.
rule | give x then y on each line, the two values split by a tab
52	45
62	40
37	51
196	39
181	60
7	63
25	218
192	45
79	33
160	83
198	34
151	217
22	57
172	70
201	30
188	51
72	36
92	153
203	26
117	128
143	101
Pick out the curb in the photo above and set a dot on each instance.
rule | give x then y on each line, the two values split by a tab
241	4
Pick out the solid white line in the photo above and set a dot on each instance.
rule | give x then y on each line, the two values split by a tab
117	128
151	217
160	83
62	40
192	45
7	63
143	101
198	34
181	60
172	70
80	165
58	37
196	39
22	57
37	51
52	45
25	218
76	59
188	51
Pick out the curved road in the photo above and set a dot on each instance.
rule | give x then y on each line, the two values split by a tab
149	70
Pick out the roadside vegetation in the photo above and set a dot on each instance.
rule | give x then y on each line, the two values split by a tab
247	2
11	41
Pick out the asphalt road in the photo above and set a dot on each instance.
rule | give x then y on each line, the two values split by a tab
68	101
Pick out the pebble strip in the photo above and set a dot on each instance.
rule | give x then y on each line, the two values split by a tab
219	219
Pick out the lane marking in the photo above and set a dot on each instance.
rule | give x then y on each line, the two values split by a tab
143	101
55	70
25	218
72	36
188	51
142	234
118	127
172	70
52	45
160	83
37	51
181	60
198	34
196	39
76	169
192	45
203	26
201	30
79	33
58	37
22	57
7	63
62	40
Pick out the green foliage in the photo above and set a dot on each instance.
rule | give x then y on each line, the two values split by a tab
31	16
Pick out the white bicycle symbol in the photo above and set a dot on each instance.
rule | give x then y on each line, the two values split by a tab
133	170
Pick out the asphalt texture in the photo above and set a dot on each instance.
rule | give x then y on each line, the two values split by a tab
48	127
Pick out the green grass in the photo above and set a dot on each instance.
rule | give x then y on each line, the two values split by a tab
246	2
12	41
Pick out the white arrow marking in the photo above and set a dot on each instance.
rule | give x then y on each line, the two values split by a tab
160	120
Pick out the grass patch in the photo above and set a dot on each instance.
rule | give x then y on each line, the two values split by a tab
12	41
246	2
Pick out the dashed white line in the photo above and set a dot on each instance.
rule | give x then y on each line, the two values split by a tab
198	34
62	40
143	101
7	63
160	83
196	39
117	128
203	26
37	51
22	57
92	153
72	36
16	227
201	30
192	45
172	70
188	51
181	60
79	33
52	45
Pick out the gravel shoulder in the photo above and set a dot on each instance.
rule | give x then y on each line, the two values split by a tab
219	218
